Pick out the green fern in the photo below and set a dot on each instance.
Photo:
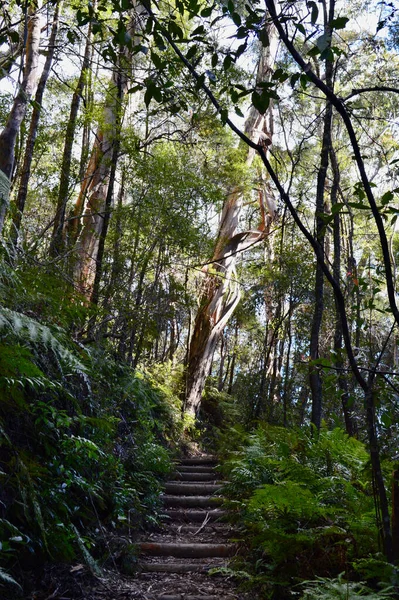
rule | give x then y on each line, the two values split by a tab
340	589
22	327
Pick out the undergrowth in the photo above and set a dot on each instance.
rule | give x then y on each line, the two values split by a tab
305	505
84	441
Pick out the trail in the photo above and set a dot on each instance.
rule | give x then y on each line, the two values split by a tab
176	561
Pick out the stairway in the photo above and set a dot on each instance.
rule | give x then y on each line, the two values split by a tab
175	560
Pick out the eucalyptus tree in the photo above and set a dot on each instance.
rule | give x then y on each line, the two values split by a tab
33	127
9	134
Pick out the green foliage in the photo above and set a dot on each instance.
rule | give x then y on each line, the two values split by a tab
307	507
83	444
340	589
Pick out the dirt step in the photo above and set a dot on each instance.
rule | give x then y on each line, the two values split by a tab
200	476
194	468
199	460
181	566
192	501
192	489
182	550
195	516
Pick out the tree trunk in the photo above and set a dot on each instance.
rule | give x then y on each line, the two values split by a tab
9	134
338	334
221	293
314	372
30	144
57	241
96	181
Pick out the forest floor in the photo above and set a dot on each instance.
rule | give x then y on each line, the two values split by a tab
177	561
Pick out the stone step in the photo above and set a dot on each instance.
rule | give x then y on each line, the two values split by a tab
195	516
184	550
192	501
191	489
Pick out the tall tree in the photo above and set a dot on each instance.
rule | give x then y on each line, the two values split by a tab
57	239
9	134
221	291
95	185
33	128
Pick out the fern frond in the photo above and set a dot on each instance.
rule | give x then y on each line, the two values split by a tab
30	330
4	576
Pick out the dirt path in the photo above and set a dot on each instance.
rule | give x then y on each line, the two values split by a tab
175	561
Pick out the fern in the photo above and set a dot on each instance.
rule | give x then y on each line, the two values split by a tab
339	589
25	328
4	576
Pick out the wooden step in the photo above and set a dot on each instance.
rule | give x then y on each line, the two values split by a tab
192	501
195	516
190	597
183	550
199	460
192	489
194	469
181	566
200	476
219	529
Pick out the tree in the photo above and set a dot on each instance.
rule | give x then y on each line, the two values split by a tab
221	292
18	110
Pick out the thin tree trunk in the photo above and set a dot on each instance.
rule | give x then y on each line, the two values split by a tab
221	292
314	373
338	334
9	134
57	241
108	204
30	144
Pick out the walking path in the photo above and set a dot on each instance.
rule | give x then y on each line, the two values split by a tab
176	560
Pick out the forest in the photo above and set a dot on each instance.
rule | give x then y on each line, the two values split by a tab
199	206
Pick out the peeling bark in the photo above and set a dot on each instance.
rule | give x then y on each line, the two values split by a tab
95	184
221	294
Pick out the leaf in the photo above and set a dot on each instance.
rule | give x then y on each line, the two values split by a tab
192	52
314	51
206	12
228	61
314	12
304	79
148	96
339	23
236	19
260	101
294	79
386	198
